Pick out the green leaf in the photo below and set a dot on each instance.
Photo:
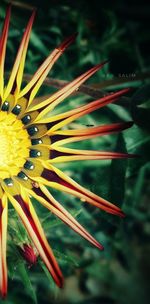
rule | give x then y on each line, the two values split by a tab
141	117
140	107
29	289
139	186
66	258
52	285
38	44
141	95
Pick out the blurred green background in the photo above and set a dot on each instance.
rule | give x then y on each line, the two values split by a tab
117	31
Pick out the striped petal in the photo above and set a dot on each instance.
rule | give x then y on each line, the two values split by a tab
3	41
16	76
62	137
24	208
61	154
55	178
3	238
33	86
69	116
49	104
47	200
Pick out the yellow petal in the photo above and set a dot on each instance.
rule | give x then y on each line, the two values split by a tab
17	70
44	69
3	41
63	93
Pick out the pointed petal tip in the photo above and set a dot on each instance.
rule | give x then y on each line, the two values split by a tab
60	283
122	214
32	17
118	212
9	6
67	42
95	68
99	246
3	291
124	91
3	295
119	93
74	35
133	155
106	61
124	125
34	11
100	65
129	124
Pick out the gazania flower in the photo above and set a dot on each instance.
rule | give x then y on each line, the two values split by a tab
32	143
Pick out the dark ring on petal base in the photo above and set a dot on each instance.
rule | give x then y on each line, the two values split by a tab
8	182
26	119
16	110
22	175
35	153
29	165
36	141
32	130
5	106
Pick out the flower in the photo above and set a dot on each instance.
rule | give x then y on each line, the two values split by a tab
32	143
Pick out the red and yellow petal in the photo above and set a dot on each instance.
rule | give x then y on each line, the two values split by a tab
3	239
16	76
55	178
61	154
33	86
49	104
3	41
62	137
69	116
24	208
46	199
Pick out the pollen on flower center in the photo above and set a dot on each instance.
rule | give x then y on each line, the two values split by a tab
14	145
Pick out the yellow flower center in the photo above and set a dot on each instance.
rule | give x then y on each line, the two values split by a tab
14	145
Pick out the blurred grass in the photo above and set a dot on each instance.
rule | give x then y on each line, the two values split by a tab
117	31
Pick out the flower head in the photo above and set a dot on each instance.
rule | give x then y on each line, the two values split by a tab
32	143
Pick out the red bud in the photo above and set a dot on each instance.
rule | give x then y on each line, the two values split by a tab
28	254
